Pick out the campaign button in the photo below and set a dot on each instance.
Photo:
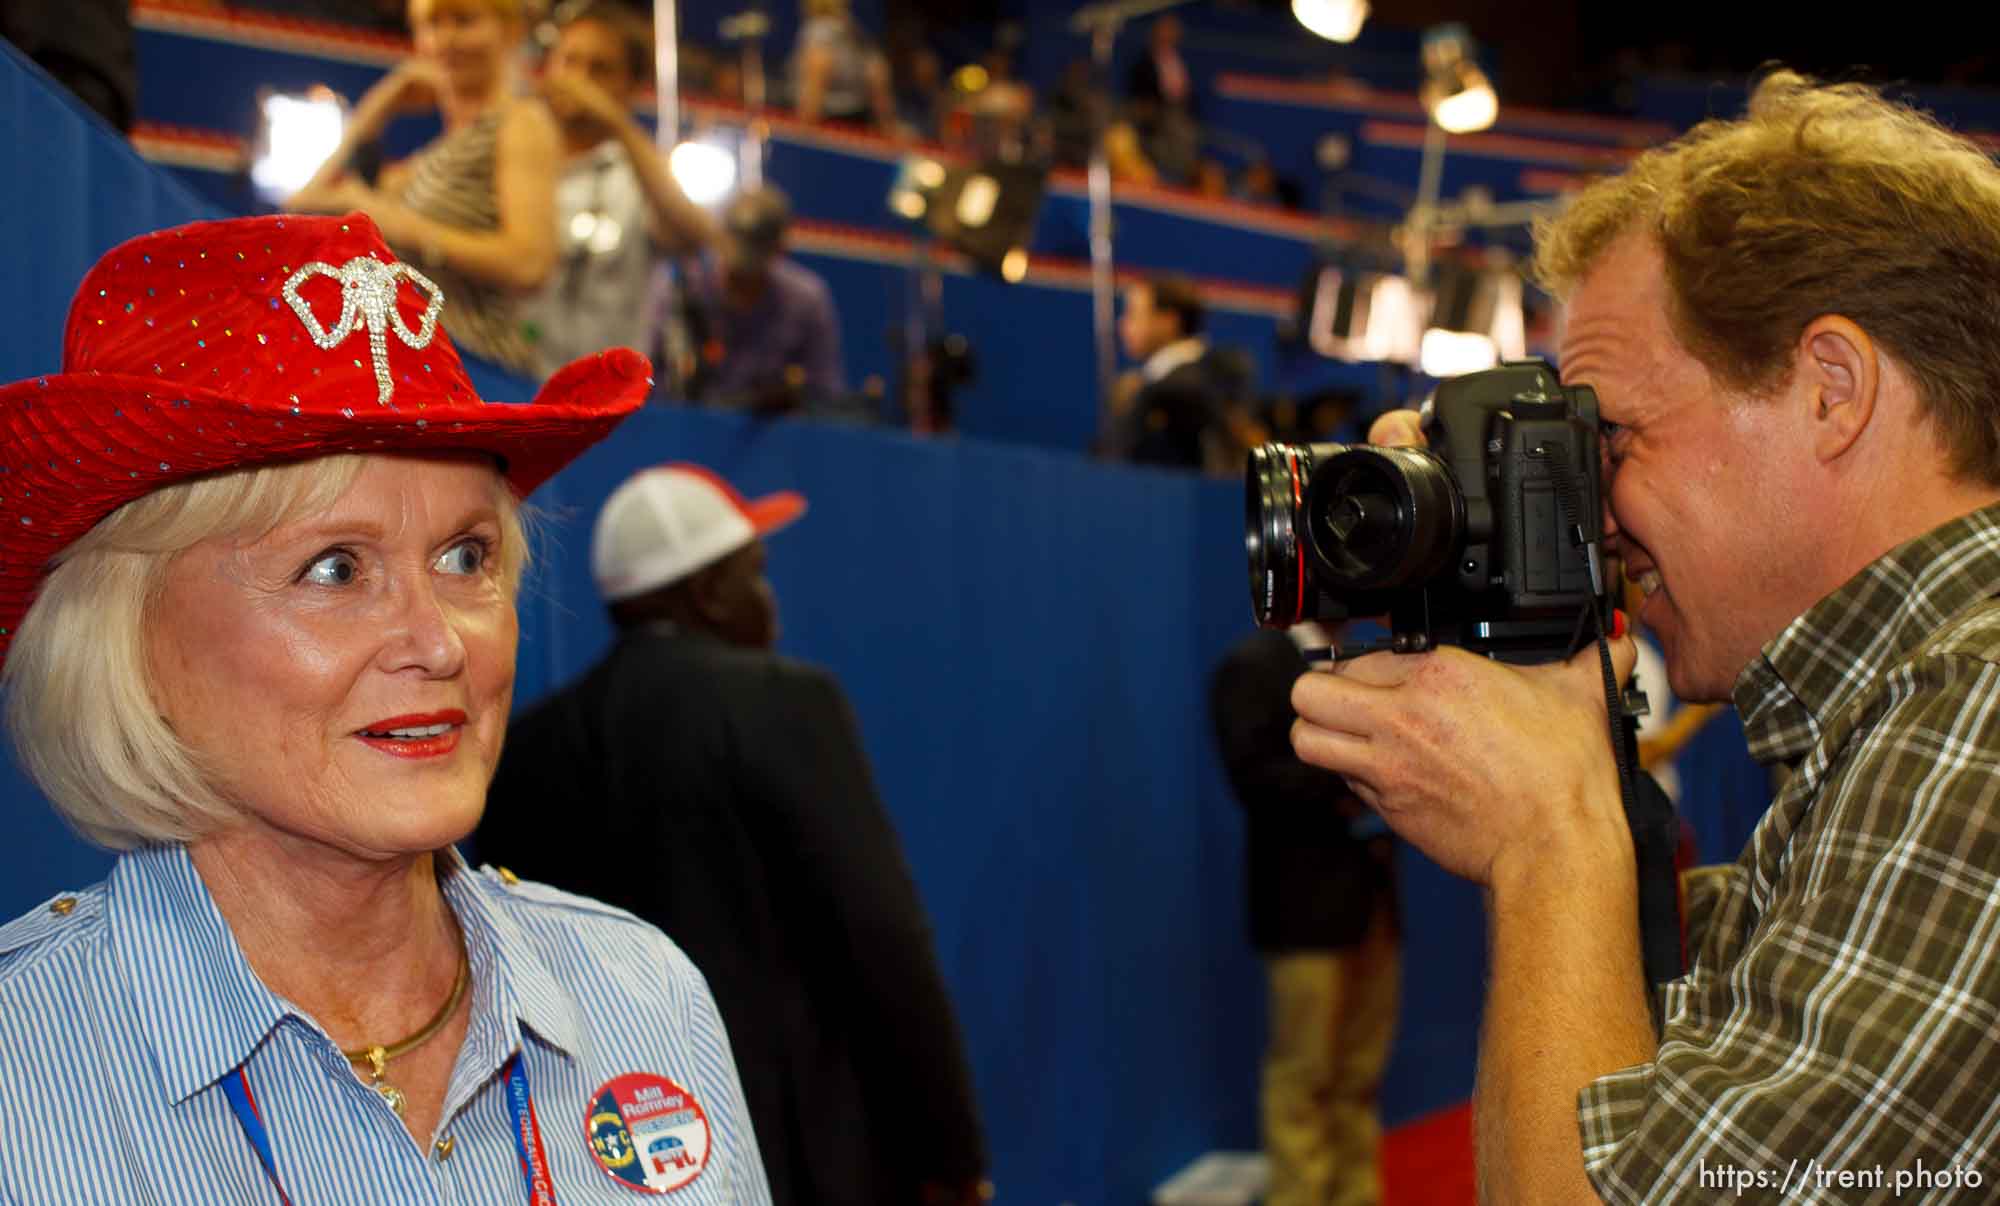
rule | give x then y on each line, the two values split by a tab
647	1132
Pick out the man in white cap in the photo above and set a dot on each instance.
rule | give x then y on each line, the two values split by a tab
705	783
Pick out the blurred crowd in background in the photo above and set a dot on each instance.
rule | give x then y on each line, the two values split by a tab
547	213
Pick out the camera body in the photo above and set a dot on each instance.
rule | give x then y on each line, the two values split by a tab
1487	538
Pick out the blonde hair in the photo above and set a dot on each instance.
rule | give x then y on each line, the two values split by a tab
80	699
1822	199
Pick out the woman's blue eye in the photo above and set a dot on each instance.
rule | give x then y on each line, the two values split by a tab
465	557
332	569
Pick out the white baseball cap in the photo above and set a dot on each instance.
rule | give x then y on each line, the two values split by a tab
666	522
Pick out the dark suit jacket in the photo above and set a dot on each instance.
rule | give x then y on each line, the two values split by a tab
1312	885
1168	418
1142	83
723	794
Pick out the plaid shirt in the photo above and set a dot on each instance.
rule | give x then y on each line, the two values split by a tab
1838	1037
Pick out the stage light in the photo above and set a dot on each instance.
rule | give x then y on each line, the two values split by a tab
1455	92
1476	321
295	136
987	212
1334	20
970	79
1509	325
1470	109
1362	316
976	200
705	171
1456	353
917	185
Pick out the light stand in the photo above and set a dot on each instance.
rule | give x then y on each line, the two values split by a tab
1430	219
923	318
1458	98
666	75
1421	227
1103	22
749	29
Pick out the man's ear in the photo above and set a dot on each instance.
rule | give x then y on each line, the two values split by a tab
705	594
1839	373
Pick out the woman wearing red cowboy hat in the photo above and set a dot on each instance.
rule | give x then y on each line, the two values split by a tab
259	550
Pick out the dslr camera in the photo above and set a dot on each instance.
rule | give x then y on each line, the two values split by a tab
1488	538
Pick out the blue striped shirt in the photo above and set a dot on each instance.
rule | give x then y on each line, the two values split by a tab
123	1010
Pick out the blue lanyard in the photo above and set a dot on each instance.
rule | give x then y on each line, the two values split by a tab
236	1086
520	1106
528	1136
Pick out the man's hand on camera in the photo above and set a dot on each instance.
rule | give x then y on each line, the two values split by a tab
1487	768
1398	428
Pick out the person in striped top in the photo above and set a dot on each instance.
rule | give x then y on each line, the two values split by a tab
257	621
475	207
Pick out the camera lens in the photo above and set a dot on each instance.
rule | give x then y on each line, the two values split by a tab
1274	486
1381	518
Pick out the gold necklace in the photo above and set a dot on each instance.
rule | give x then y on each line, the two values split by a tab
377	1058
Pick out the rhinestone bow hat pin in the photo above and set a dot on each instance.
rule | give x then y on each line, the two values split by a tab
368	301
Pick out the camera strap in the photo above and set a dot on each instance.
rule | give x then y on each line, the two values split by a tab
1649	814
1655	828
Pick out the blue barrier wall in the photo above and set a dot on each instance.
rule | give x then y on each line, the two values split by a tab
70	189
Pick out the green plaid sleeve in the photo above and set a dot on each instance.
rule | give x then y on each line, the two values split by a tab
1702	891
1843	1022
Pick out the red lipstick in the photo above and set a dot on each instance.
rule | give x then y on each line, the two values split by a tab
416	734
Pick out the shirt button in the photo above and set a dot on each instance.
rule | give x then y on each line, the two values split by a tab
444	1146
63	906
507	877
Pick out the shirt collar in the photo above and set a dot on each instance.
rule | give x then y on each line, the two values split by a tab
1813	669
1171	357
524	990
203	1011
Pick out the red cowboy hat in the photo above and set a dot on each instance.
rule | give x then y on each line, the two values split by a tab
223	345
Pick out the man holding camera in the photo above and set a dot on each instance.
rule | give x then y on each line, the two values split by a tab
1789	323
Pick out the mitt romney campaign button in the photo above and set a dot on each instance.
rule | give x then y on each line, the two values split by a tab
648	1132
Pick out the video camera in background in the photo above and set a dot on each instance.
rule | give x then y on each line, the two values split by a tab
1486	539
